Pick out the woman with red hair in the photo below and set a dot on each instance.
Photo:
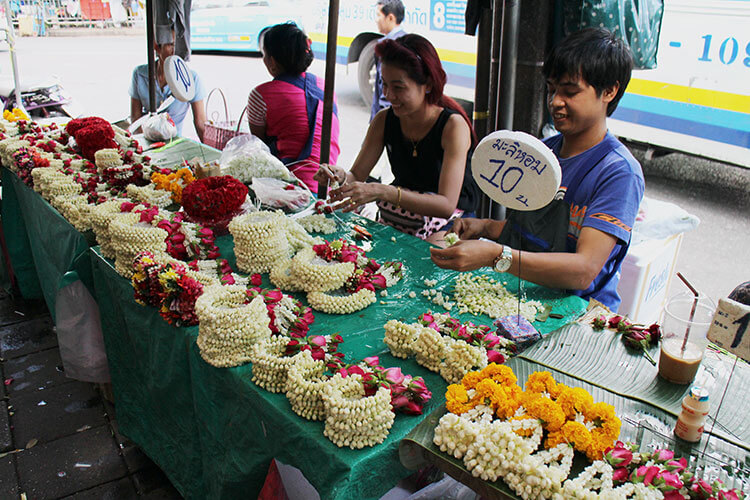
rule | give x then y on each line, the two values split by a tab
428	138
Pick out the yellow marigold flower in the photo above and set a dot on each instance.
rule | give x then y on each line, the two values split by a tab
577	435
557	390
603	417
471	379
574	400
553	439
505	400
457	399
501	374
595	451
484	391
548	411
541	382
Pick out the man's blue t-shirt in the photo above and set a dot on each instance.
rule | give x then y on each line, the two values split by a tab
604	187
177	110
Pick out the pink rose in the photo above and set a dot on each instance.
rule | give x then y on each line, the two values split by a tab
397	389
620	475
394	375
676	465
673	495
356	370
318	355
399	401
343	372
273	295
663	455
671	480
619	457
700	488
412	408
318	340
492	340
645	474
371	361
378	280
256	280
418	385
495	357
427	318
728	495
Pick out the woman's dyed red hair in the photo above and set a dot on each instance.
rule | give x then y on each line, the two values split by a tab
416	55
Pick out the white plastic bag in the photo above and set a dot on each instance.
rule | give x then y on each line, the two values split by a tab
79	334
660	220
245	157
276	193
159	128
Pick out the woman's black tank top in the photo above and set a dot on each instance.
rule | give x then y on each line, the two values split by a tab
422	173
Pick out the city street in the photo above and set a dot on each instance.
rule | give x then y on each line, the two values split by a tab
96	72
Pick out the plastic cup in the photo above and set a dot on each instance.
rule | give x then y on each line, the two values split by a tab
685	325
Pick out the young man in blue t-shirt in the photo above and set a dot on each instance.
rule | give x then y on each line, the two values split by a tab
602	183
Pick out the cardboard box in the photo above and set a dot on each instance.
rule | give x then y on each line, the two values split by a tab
645	277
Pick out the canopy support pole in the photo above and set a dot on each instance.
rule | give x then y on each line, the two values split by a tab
150	52
330	76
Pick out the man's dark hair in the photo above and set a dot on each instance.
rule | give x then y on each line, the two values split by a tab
597	56
288	45
395	7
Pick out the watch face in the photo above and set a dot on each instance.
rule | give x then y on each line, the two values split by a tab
502	265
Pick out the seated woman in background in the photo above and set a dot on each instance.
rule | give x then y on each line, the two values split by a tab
428	138
287	112
139	97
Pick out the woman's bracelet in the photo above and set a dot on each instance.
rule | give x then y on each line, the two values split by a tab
398	201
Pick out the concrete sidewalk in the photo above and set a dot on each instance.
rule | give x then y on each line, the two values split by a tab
58	437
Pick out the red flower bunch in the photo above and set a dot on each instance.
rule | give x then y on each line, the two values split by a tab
408	394
24	161
118	178
476	335
213	198
662	471
638	337
91	135
371	275
338	250
287	315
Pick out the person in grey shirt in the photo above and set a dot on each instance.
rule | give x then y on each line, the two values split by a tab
389	16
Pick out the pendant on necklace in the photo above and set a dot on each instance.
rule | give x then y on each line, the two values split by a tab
414	151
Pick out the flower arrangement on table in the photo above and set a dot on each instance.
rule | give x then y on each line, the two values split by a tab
91	134
335	265
497	428
657	474
637	337
173	183
214	201
445	345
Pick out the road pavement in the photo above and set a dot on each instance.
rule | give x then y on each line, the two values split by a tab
96	71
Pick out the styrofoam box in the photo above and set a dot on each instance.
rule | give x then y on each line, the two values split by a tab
645	277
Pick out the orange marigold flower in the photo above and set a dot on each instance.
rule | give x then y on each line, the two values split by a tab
574	400
471	379
505	400
541	382
553	439
501	374
603	417
577	435
595	451
548	411
457	399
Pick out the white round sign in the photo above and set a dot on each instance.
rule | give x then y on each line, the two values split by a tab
179	78
516	170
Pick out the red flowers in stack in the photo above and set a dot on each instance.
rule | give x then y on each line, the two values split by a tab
213	198
91	134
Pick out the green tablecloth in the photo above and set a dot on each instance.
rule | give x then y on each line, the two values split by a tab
227	428
41	243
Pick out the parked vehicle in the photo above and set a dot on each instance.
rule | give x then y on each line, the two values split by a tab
696	101
233	25
40	100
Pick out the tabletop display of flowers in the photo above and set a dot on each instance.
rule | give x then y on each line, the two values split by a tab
625	472
445	345
636	337
497	429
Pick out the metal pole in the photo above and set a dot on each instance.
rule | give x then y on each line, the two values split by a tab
150	52
481	91
507	82
325	134
497	44
11	36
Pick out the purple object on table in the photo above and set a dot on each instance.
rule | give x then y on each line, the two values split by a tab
518	329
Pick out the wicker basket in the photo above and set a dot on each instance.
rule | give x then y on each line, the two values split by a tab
217	133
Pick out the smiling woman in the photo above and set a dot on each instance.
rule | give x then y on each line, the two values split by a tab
428	139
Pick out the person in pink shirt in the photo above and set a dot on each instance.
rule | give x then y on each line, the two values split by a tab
287	112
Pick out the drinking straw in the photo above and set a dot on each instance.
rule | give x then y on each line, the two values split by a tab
692	312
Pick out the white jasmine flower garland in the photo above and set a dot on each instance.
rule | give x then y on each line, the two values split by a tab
400	338
479	294
340	304
259	241
305	385
229	327
318	223
270	366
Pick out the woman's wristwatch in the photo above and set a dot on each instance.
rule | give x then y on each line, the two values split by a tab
504	260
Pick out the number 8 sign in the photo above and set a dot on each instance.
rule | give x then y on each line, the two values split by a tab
516	170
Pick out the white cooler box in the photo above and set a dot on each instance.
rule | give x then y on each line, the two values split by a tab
645	277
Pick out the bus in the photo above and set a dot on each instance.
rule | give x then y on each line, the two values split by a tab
697	99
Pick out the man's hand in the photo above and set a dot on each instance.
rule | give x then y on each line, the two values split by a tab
466	255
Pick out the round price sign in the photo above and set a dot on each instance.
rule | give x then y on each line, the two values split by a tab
179	78
516	170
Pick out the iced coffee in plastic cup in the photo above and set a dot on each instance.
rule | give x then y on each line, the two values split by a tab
685	325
